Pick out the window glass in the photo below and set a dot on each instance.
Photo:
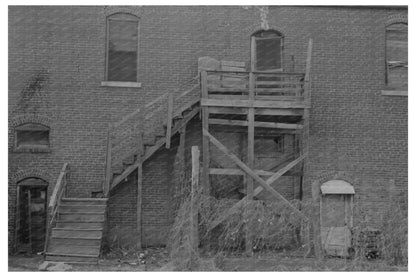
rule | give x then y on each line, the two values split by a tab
32	136
122	50
397	56
268	52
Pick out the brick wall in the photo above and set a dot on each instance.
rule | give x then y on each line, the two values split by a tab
353	128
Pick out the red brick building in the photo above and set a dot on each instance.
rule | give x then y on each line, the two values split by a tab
66	86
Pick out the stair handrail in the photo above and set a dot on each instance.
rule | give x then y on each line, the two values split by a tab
144	115
55	200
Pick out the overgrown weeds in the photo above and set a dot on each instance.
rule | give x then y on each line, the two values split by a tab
122	243
388	242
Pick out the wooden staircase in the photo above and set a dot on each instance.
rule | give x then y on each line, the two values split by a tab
77	235
120	166
76	225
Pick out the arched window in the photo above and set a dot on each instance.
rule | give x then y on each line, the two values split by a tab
396	56
32	137
122	47
267	51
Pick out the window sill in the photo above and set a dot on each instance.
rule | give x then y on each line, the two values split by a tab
121	84
394	93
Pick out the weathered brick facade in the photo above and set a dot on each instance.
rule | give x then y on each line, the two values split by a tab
355	131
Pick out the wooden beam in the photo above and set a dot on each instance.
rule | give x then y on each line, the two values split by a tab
169	120
258	111
236	171
156	100
281	111
257	97
108	173
308	61
127	117
58	187
254	104
239	204
250	160
213	88
194	197
256	124
252	174
239	172
205	142
139	200
227	110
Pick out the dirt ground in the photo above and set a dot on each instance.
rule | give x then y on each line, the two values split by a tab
158	260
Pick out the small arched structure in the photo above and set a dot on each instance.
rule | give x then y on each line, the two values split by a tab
336	216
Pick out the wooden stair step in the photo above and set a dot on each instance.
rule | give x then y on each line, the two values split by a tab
75	241
84	217
75	249
80	224
129	160
117	169
76	233
84	201
67	258
82	208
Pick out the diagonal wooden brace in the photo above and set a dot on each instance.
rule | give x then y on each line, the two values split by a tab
249	171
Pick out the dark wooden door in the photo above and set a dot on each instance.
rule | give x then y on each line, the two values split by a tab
31	227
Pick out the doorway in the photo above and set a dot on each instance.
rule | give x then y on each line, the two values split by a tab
31	215
336	212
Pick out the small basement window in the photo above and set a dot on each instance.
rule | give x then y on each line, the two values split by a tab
32	138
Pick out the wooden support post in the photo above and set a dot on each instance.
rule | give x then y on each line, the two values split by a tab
194	198
108	173
250	163
139	191
180	155
304	147
205	142
169	120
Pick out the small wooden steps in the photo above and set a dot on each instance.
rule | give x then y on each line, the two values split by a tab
77	236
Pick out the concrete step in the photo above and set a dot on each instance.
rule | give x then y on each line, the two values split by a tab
82	208
80	224
75	241
84	201
75	249
81	216
81	259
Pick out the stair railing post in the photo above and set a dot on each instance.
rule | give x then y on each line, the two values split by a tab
194	199
108	174
169	120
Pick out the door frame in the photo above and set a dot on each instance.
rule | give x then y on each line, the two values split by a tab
19	186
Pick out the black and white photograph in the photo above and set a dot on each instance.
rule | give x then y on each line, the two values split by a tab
207	138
